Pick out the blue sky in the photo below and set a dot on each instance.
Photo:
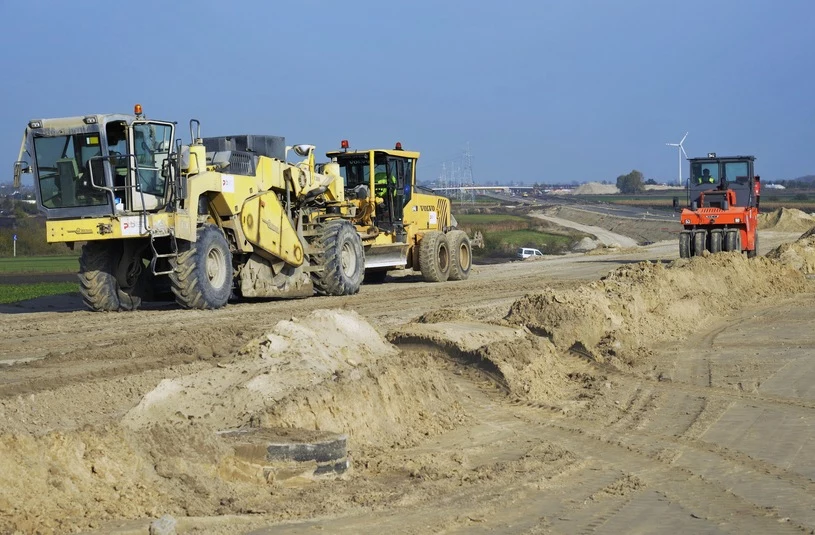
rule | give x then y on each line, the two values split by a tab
550	91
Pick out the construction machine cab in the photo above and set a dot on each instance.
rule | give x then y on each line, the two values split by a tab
87	166
722	181
380	180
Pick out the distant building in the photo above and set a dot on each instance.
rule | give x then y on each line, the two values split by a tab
774	186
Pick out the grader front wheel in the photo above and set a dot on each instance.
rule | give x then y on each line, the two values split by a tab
434	257
460	255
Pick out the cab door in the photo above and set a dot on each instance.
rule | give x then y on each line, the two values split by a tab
398	169
150	144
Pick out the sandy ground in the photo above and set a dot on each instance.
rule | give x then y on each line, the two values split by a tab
623	390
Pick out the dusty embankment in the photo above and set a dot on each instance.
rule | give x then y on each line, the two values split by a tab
558	412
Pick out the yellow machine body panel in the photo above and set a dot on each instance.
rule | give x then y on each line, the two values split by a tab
107	228
426	212
266	226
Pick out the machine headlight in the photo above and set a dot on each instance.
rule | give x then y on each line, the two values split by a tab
35	124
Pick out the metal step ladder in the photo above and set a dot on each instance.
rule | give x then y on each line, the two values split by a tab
157	255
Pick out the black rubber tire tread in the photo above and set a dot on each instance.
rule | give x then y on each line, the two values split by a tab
334	279
731	240
97	284
699	242
461	255
684	244
434	257
716	241
754	252
189	281
375	277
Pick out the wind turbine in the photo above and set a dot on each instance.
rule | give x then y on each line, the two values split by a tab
680	151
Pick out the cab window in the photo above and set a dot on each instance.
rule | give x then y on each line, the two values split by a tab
737	172
151	147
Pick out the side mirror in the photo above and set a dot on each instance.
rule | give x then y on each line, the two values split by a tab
20	168
303	150
676	204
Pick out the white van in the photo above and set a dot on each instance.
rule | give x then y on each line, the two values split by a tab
525	252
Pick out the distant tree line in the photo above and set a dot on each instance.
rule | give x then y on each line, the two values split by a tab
631	183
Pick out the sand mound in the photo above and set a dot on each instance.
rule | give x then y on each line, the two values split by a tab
786	220
529	366
799	254
442	315
638	305
296	354
329	371
585	245
595	188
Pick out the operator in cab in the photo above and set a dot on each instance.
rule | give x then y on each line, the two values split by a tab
706	178
384	187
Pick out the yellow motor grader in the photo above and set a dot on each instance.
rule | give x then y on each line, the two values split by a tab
221	217
402	225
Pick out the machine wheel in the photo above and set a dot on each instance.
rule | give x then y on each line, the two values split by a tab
375	277
684	244
342	260
97	278
202	274
461	255
699	242
716	241
434	257
754	252
730	239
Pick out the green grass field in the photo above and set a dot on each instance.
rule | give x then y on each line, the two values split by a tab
504	233
36	265
528	238
32	265
11	293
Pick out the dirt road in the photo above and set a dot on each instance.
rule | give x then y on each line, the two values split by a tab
604	236
618	391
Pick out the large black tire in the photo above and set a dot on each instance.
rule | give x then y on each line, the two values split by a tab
342	260
684	244
202	273
699	242
716	241
731	238
754	252
97	280
461	255
434	257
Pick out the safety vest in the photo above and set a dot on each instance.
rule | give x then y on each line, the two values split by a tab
381	183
